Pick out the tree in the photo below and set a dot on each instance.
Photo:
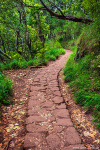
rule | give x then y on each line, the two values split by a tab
19	28
65	17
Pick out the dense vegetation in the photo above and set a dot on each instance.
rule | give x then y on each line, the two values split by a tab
6	84
82	70
84	79
31	34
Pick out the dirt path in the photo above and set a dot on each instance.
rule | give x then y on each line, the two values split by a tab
13	117
48	124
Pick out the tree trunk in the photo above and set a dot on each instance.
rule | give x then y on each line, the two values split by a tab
40	31
24	21
17	43
65	36
20	13
3	44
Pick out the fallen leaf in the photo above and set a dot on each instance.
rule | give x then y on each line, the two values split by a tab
86	134
21	103
97	141
22	112
8	129
16	127
16	116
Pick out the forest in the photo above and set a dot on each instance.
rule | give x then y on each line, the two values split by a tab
33	32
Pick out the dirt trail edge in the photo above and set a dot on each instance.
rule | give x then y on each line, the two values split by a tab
48	124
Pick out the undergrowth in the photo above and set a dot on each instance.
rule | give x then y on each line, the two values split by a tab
40	59
83	76
5	89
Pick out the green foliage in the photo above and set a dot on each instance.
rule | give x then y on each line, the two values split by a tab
42	57
91	7
53	54
6	84
52	44
5	89
15	64
89	40
34	38
84	79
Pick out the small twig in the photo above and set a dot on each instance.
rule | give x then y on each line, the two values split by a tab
7	146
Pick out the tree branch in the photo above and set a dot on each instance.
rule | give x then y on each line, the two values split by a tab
66	17
56	7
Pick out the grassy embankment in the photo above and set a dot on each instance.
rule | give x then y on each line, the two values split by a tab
83	76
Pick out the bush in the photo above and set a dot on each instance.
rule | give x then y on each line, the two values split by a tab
52	44
31	63
54	53
15	64
5	89
84	79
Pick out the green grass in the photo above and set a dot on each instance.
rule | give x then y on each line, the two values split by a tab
38	60
84	79
5	89
53	54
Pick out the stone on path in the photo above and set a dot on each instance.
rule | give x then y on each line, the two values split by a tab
64	122
48	124
53	141
58	100
71	136
36	128
61	106
32	140
47	105
32	119
61	113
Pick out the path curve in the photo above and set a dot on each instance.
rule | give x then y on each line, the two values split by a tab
48	124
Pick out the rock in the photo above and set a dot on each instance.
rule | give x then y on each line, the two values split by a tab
36	128
34	119
61	113
58	100
57	93
64	122
61	106
53	141
57	129
32	140
71	137
47	105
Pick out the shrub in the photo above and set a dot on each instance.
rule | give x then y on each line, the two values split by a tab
5	89
84	79
15	64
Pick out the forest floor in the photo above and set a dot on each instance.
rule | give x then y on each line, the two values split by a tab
13	117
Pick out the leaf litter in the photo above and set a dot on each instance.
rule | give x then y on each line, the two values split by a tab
89	134
12	123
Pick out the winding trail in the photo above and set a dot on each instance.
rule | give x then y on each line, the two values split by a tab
48	124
